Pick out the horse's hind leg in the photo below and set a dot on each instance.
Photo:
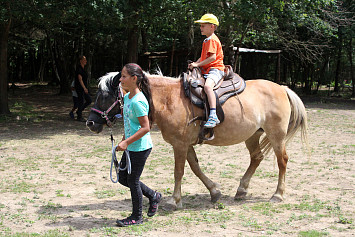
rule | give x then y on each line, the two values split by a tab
282	159
256	157
211	186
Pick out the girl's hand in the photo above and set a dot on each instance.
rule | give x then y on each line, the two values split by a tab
122	146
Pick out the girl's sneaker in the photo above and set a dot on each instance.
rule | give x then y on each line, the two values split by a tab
153	204
129	221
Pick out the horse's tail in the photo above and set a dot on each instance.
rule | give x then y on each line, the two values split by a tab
298	120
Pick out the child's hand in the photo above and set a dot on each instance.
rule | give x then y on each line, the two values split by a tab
193	65
122	146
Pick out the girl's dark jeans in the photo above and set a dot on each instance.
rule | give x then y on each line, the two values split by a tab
138	189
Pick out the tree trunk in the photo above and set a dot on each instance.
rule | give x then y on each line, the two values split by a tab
337	71
132	47
42	61
350	49
62	66
172	57
4	37
54	66
322	75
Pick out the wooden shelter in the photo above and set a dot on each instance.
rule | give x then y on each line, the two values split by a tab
239	51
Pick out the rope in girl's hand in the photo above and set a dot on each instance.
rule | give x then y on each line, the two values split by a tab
115	163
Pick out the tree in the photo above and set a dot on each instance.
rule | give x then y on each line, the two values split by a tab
4	36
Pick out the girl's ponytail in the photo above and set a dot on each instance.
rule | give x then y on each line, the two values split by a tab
143	85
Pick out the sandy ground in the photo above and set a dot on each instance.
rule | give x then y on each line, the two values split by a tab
55	179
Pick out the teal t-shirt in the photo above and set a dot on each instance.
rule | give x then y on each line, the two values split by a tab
133	108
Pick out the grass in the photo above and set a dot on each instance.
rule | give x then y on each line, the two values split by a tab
22	111
312	233
16	186
50	233
102	194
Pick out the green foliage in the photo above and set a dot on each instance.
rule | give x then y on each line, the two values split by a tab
312	233
309	33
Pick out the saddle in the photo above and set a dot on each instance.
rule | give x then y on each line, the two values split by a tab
193	81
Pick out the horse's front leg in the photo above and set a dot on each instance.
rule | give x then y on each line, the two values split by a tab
180	155
195	167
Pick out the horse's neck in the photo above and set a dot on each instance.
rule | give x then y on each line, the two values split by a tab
163	87
166	92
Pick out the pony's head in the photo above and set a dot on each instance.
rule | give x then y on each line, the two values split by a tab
108	102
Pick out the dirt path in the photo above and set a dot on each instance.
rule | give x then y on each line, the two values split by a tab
55	179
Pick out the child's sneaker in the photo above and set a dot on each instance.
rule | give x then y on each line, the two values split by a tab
129	221
153	204
212	122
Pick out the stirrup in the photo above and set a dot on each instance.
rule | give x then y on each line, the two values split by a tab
212	122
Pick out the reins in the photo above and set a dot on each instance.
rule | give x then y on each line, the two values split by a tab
115	163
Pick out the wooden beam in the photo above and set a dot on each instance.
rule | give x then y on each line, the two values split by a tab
245	50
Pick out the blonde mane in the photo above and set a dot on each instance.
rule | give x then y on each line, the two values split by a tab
160	76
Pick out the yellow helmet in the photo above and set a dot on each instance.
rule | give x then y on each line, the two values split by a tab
208	18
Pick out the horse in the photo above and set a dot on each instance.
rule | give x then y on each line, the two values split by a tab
264	107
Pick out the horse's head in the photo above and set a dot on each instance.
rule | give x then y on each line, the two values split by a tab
108	103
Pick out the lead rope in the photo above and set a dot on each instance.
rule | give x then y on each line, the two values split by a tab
115	163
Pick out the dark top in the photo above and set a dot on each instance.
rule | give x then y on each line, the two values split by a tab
84	76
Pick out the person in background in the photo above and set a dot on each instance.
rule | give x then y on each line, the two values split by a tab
81	87
75	100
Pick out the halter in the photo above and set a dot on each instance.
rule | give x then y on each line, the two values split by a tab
104	114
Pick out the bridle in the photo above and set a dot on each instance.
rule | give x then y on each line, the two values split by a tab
104	114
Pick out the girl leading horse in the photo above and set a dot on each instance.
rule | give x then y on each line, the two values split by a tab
268	108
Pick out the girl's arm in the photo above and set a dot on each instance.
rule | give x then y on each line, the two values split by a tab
145	128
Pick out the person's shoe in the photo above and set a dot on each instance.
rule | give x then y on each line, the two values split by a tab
71	114
81	119
212	122
129	221
153	204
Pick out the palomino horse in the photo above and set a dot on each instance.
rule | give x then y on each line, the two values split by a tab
264	107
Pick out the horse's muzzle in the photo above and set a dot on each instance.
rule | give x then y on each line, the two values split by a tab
94	127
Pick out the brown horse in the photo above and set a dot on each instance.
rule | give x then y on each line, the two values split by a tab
264	107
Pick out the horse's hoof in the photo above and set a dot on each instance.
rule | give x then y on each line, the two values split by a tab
240	195
170	206
215	196
276	198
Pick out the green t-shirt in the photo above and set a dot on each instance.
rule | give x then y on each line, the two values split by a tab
134	108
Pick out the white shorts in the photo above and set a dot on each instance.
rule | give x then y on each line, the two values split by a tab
214	74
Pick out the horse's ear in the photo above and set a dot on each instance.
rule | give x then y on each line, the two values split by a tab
116	80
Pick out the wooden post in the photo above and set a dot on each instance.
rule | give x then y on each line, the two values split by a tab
278	68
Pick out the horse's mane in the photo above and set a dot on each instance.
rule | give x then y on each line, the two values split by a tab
160	76
105	81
